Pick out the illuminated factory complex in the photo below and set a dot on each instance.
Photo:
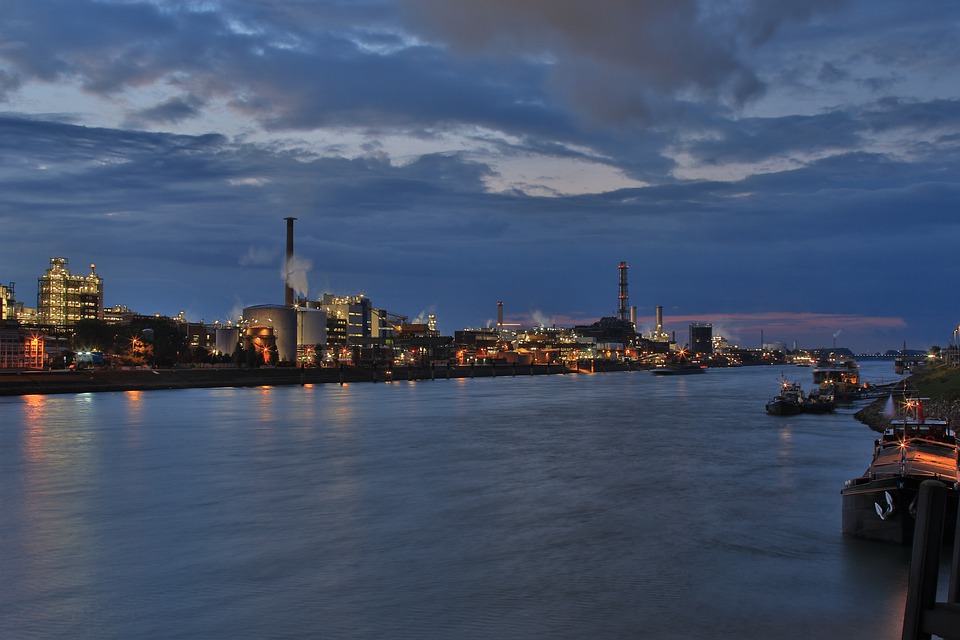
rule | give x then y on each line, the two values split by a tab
332	330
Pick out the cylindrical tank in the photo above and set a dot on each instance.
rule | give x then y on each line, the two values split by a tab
313	327
283	319
227	339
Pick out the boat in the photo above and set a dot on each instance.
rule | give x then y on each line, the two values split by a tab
882	503
839	376
679	365
789	401
676	369
802	360
819	401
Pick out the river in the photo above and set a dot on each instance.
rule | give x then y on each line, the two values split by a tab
616	505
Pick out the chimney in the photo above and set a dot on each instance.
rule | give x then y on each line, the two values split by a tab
288	290
500	315
623	310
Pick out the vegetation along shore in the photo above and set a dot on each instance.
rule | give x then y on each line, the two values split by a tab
938	384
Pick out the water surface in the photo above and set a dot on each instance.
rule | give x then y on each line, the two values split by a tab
618	505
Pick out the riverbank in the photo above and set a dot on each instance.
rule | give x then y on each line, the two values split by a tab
94	380
939	385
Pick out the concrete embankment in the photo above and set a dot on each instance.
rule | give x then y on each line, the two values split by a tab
92	380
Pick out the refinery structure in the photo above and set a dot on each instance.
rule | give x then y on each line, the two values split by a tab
331	330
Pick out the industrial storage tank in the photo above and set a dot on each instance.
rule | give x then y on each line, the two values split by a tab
283	320
313	327
227	339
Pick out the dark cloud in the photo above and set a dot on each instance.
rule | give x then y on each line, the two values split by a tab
831	73
170	111
619	61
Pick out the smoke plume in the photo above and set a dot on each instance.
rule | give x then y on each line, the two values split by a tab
294	274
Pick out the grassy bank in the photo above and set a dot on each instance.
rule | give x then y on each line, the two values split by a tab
939	384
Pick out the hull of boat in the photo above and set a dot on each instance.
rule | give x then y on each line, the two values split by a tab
886	509
779	408
682	371
818	407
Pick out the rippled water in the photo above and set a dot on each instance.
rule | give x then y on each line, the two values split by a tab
619	505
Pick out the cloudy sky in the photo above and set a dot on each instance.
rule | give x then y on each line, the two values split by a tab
765	165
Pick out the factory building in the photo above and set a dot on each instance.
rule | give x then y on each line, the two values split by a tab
355	315
21	349
119	314
64	299
701	338
8	304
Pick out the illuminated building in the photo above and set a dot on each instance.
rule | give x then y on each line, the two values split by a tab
701	338
7	303
356	311
118	314
64	299
26	315
21	349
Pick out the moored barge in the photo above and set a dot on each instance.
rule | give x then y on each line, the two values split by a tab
882	503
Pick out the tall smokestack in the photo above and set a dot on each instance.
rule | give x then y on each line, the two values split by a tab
624	312
659	320
633	317
500	315
288	290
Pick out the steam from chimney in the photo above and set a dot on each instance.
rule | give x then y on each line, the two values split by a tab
296	270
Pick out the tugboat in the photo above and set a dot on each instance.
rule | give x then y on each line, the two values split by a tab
790	401
882	503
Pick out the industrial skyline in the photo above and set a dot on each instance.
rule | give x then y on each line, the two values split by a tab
769	168
64	298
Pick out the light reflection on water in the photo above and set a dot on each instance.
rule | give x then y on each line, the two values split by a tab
608	505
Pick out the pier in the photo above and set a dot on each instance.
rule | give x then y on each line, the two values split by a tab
905	363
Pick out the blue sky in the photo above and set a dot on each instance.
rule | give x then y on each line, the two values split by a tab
771	166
